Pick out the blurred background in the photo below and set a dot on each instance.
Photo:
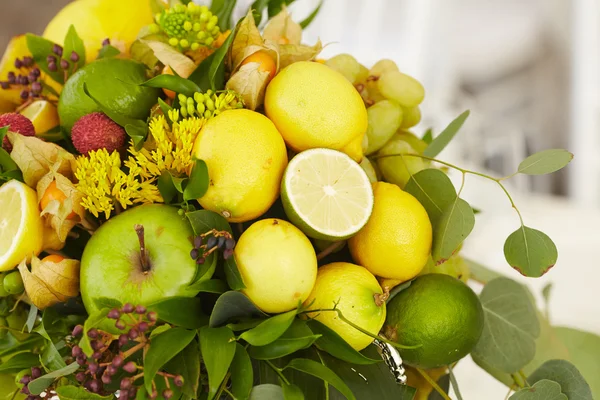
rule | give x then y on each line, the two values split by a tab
529	71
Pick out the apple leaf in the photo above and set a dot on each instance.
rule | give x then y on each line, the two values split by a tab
181	311
297	337
71	392
322	372
18	362
164	347
198	182
108	51
105	302
242	376
218	349
203	221
269	330
187	364
233	306
73	43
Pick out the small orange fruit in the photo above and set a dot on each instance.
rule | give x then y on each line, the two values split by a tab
221	39
267	64
54	193
53	258
168	71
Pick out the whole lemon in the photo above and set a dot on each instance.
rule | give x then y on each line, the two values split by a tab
277	263
355	292
119	21
246	157
314	106
396	241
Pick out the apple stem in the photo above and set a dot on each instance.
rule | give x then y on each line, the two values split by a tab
139	229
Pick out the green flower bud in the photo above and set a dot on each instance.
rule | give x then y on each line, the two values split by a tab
210	104
183	111
173	42
201	35
196	27
187	25
194	46
184	43
190	109
209	41
205	16
200	107
182	98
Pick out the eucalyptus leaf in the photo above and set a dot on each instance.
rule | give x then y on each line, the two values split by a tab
333	343
510	326
583	351
187	364
198	182
108	51
40	49
79	393
181	311
545	162
242	376
267	391
233	306
322	372
218	349
531	252
455	224
441	141
306	22
38	385
172	82
73	43
434	190
543	390
232	274
569	378
164	347
269	330
18	362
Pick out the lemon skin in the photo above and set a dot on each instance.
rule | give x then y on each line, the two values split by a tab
246	158
396	241
314	106
354	291
277	263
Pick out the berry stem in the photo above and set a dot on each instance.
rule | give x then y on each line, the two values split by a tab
134	349
434	384
145	261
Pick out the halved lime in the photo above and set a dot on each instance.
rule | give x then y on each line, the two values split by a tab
326	194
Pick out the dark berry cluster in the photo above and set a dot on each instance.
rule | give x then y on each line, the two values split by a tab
24	377
27	78
112	354
57	62
211	241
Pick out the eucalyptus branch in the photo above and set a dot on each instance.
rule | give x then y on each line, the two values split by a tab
524	377
518	380
434	384
277	371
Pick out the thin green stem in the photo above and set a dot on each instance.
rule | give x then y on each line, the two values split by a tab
518	380
222	387
524	377
434	384
229	393
278	371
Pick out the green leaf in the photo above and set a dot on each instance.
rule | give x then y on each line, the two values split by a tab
203	221
291	392
198	182
93	321
181	311
542	390
38	385
242	376
267	391
18	362
187	364
401	287
275	6
166	187
232	274
434	190
174	83
428	136
531	252
209	286
269	330
31	317
444	384
322	372
281	347
257	10
164	347
312	16
108	51
584	352
200	74
40	48
545	162
455	224
51	358
79	393
223	10
480	272
333	343
510	326
216	71
73	43
106	302
233	306
165	108
569	378
218	349
441	141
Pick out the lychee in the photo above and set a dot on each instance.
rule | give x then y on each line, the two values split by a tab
97	131
17	123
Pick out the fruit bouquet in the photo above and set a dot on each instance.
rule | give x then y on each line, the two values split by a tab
198	208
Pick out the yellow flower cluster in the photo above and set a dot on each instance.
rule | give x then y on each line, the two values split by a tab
102	183
167	148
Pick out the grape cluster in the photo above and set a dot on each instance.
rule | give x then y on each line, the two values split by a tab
209	104
111	357
187	27
211	241
27	79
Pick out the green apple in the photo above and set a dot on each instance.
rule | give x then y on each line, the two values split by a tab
113	266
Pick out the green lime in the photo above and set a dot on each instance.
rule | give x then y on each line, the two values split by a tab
441	314
13	283
326	194
114	82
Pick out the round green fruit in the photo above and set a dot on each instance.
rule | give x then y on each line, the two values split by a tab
13	283
441	314
398	169
113	267
3	292
114	82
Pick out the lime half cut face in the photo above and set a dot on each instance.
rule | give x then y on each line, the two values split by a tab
326	194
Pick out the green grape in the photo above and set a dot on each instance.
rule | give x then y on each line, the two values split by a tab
363	74
367	166
382	66
416	143
371	93
402	88
346	65
411	116
399	169
3	292
375	166
385	118
13	283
